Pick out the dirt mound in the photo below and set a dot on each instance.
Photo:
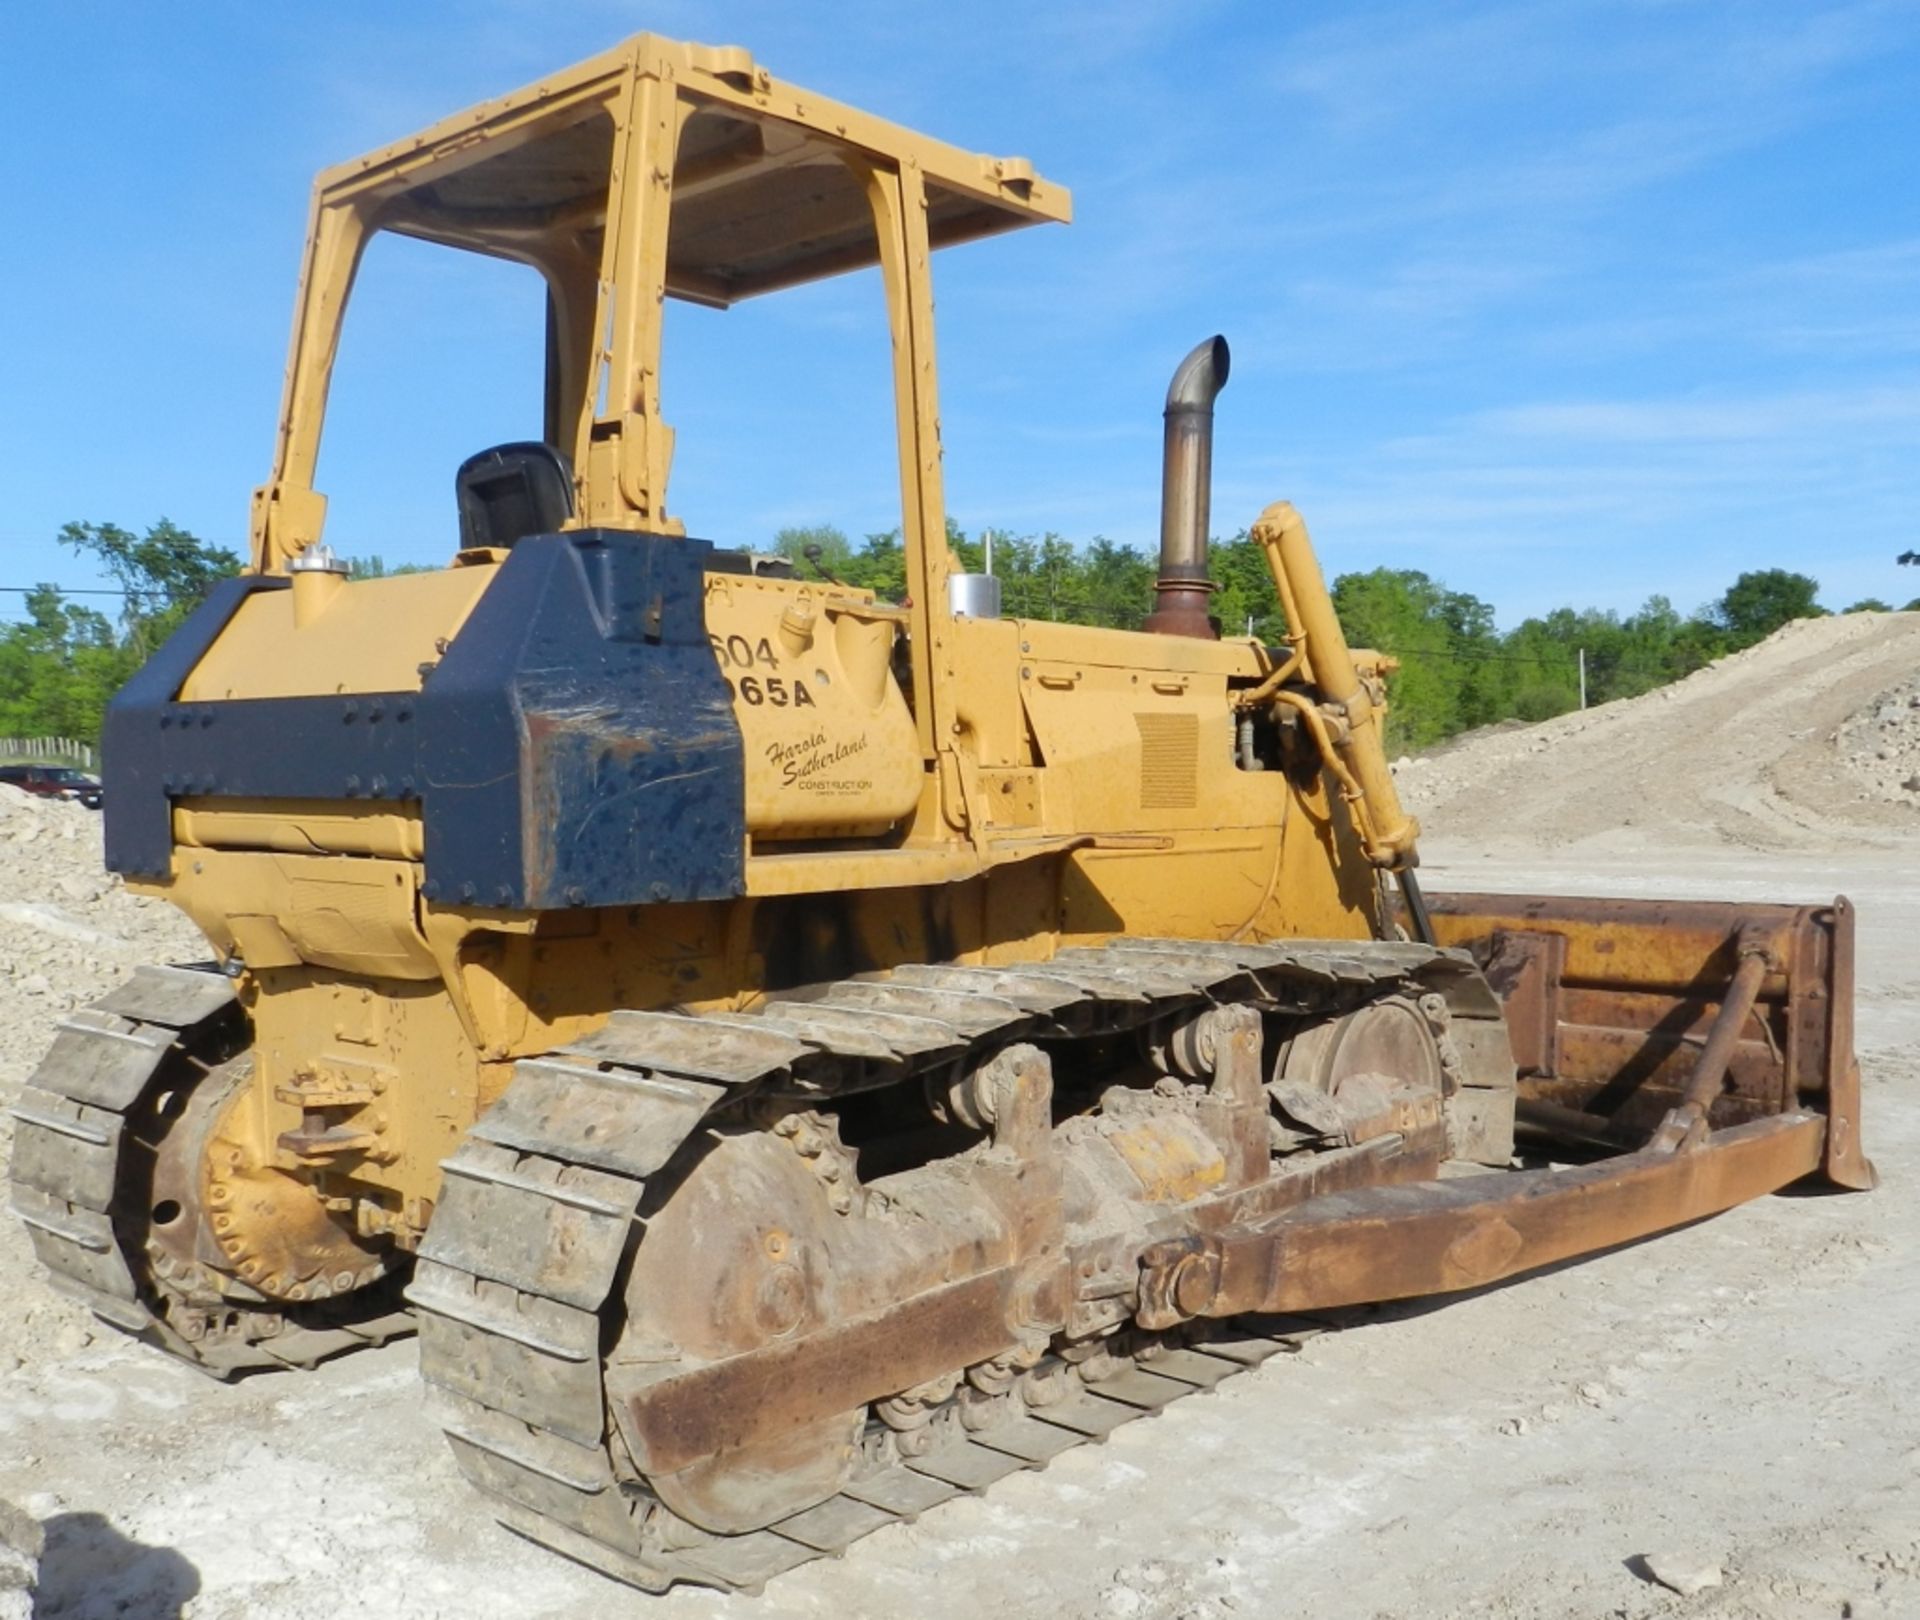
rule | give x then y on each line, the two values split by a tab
1807	740
69	931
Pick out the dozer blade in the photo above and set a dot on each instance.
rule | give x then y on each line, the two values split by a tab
1610	1004
1711	1046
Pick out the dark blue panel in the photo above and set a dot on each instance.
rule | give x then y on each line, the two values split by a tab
137	735
587	661
575	746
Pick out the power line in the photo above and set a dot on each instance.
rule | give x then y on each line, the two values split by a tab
62	590
1022	596
1524	658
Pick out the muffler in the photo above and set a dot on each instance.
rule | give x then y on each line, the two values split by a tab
1182	591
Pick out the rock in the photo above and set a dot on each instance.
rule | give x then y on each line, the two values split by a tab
1912	783
21	1542
1678	1573
81	886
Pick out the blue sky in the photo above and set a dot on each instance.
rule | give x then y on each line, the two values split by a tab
1559	302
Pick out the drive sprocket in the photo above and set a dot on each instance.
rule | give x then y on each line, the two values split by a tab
114	1173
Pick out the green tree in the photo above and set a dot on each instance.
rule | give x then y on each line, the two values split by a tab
1869	604
164	573
833	552
377	567
880	566
1110	584
60	665
1758	603
1239	568
1446	645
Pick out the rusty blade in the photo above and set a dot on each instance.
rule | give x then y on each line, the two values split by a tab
1612	1003
1669	945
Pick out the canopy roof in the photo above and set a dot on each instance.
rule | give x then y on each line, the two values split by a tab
766	188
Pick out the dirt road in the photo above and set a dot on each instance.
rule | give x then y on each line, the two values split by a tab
1736	1395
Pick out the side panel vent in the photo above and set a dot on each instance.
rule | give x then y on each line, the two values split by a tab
1169	761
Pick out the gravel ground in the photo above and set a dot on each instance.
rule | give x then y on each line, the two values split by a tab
1731	1400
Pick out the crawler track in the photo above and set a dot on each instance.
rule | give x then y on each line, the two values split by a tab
520	1280
85	1131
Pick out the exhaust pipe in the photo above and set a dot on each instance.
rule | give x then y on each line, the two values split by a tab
1186	495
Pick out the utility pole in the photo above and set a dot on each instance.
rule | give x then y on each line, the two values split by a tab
1583	677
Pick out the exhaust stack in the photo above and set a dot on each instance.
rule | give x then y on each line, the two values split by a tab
1186	495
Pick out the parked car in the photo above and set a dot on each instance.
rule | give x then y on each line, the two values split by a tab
53	782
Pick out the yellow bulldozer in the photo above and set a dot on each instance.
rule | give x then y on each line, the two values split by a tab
795	1056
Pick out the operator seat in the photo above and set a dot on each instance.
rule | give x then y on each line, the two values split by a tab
510	492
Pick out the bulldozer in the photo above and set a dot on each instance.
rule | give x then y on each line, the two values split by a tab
795	1056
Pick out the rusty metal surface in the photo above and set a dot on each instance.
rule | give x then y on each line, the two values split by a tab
1444	1237
724	1405
104	1060
693	1047
1618	1030
620	1120
534	1223
1633	1038
526	1356
1846	1165
1183	592
1666	945
1525	970
863	1349
1687	1123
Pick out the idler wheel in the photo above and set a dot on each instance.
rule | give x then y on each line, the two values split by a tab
748	1250
1341	1078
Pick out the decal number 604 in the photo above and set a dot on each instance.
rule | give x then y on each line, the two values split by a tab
736	652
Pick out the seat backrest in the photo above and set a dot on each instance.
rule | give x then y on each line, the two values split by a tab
510	492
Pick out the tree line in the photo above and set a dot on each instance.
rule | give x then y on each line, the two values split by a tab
1458	670
61	663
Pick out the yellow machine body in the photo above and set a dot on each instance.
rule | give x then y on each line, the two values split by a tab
1093	780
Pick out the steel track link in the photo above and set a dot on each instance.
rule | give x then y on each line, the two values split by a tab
520	1275
77	1129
